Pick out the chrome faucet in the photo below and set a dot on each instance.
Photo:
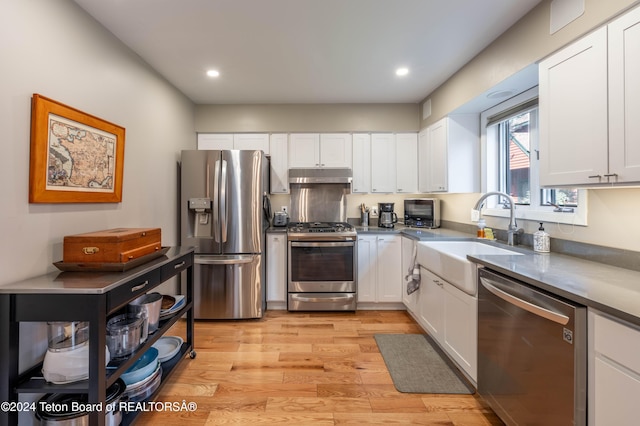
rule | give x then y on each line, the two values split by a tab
513	226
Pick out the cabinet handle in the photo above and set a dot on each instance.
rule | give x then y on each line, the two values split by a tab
139	287
399	189
611	175
594	176
374	190
179	265
322	164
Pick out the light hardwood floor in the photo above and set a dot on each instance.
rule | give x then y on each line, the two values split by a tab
303	369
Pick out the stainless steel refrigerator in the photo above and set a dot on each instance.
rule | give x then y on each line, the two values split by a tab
222	204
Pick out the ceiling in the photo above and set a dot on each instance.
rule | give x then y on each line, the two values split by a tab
306	51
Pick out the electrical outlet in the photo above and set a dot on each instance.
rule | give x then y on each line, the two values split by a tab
374	211
475	215
284	209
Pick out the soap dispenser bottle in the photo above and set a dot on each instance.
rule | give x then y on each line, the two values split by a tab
541	241
481	226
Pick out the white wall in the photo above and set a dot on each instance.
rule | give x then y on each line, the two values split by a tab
55	49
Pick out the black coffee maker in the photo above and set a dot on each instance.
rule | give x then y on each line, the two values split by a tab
386	217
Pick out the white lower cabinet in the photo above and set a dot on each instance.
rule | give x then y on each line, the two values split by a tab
450	316
431	304
276	271
614	371
379	269
461	328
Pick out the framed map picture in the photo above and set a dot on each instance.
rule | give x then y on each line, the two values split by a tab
75	157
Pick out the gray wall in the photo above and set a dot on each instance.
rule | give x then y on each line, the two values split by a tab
55	49
308	118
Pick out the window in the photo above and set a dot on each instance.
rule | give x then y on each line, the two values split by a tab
510	148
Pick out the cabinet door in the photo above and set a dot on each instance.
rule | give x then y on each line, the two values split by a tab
367	256
424	165
460	319
335	150
279	164
304	150
215	141
251	141
276	267
614	371
389	263
573	113
409	300
430	304
361	163
407	163
383	162
437	158
624	98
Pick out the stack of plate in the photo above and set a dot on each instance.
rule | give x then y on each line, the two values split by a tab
178	303
143	389
168	347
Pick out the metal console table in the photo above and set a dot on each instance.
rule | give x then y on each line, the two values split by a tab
92	297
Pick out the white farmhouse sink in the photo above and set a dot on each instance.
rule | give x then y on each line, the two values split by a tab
448	259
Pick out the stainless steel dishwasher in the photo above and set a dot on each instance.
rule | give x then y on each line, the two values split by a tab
532	353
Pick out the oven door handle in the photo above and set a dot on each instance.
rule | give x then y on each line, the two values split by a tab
523	304
323	244
341	298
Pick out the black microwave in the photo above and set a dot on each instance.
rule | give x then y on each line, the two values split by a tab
422	212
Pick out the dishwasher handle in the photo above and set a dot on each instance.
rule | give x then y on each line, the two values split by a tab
523	304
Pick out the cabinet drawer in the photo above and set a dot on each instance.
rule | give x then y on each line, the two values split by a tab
126	292
617	341
175	267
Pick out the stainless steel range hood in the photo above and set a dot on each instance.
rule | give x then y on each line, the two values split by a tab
320	175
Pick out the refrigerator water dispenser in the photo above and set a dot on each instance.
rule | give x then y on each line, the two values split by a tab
200	209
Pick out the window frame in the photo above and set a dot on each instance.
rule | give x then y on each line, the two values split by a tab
490	175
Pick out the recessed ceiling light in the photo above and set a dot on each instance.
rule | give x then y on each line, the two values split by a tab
402	71
213	73
500	94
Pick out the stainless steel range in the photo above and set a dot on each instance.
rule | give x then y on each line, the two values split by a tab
322	266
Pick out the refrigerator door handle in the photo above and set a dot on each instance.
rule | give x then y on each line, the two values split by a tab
223	201
224	260
216	206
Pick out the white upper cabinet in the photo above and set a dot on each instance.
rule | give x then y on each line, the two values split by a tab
573	113
315	150
624	98
225	141
589	108
304	150
361	163
449	155
383	162
251	141
407	163
215	141
279	163
335	150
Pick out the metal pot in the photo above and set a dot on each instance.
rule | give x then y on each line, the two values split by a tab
151	303
54	409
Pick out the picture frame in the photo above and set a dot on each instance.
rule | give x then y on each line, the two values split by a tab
75	157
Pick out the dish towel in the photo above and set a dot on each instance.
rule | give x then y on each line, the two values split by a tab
413	277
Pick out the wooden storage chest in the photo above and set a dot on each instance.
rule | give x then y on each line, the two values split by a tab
119	245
